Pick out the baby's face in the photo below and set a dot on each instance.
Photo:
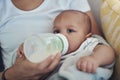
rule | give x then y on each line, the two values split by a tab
72	27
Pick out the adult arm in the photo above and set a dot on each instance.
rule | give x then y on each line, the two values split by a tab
25	70
0	75
95	28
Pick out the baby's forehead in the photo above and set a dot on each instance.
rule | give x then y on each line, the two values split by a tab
78	15
73	12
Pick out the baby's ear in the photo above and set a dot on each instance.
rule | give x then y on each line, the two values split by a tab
88	35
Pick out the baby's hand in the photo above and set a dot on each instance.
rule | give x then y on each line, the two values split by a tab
87	64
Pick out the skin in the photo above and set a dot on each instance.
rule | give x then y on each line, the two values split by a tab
75	26
18	71
103	55
31	71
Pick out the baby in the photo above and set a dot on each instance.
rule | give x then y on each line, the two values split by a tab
83	59
83	56
77	28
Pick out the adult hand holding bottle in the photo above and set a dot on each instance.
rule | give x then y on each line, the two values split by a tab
28	70
38	47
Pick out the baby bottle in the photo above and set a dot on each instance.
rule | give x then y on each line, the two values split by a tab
39	46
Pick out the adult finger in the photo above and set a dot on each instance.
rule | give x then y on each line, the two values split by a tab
20	51
43	66
55	62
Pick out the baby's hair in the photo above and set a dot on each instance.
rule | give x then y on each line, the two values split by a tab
76	12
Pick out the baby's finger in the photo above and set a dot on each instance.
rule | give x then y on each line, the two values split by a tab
84	66
89	67
95	66
78	64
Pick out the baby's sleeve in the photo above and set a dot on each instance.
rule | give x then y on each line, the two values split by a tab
101	40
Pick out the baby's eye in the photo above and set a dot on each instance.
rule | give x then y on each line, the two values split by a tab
56	31
70	30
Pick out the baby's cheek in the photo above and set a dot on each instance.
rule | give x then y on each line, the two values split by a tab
73	46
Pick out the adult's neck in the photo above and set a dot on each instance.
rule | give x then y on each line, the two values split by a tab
27	5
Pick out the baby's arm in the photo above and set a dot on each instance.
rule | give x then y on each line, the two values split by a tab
103	55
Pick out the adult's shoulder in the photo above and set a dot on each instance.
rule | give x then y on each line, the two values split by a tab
3	4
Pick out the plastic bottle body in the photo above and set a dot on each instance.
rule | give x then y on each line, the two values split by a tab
39	46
